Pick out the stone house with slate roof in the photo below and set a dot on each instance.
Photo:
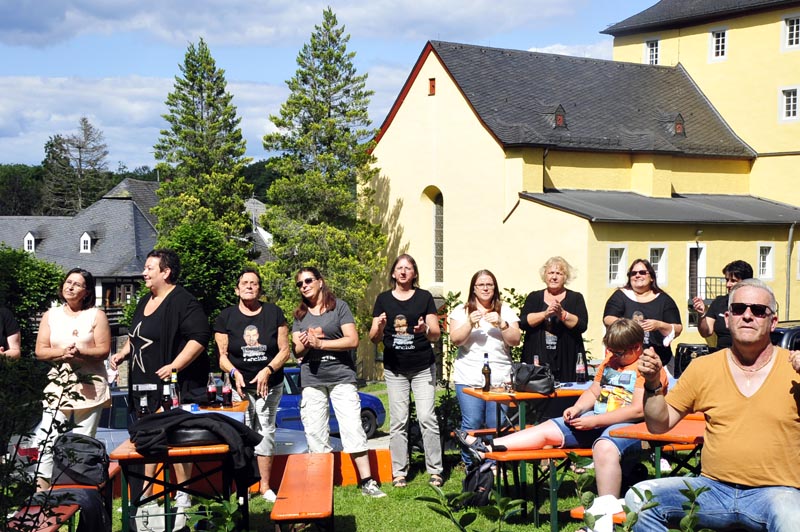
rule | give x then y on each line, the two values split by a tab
496	158
110	238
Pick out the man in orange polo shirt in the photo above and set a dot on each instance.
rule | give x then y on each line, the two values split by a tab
750	399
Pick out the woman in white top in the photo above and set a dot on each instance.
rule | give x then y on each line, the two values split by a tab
484	325
76	338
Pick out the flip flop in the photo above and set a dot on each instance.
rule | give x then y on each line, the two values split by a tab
436	480
399	482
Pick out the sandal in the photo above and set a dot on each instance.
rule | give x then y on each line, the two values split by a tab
476	447
436	480
399	482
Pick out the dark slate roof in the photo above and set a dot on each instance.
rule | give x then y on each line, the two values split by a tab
629	207
610	106
668	14
122	235
143	193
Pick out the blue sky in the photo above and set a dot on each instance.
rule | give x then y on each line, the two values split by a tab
114	61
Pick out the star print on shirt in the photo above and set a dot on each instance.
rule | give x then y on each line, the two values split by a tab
146	342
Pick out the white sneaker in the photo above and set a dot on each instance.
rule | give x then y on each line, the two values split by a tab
269	496
371	489
182	499
666	467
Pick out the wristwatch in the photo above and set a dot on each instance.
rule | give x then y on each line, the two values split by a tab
506	326
657	391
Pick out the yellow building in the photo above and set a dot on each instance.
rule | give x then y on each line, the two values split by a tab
499	159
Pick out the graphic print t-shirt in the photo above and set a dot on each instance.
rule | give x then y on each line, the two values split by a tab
617	383
252	340
403	350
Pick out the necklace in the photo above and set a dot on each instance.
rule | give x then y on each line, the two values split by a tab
751	370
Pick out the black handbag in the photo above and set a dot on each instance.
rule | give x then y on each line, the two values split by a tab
535	379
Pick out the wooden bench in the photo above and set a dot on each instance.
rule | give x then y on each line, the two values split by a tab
578	513
33	518
536	456
306	491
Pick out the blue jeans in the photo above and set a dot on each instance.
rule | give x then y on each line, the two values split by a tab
772	508
475	414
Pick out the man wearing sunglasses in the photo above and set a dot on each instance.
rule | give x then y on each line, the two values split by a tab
750	399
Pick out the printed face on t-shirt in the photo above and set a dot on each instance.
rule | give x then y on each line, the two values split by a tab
400	324
251	335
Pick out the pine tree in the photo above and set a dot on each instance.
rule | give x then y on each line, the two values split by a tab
319	209
75	170
203	151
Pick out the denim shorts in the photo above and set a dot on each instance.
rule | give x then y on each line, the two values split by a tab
585	439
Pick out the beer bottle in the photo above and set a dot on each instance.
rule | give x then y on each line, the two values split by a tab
487	373
173	389
144	407
166	395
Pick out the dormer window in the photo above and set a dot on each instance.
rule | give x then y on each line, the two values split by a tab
679	129
29	243
86	243
560	118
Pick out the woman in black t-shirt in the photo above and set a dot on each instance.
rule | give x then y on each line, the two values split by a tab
645	303
405	320
253	343
712	317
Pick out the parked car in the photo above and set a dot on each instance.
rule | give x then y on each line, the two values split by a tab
372	412
787	334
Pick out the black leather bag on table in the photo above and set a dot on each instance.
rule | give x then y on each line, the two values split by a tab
534	379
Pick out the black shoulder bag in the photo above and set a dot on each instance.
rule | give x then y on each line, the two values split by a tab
535	379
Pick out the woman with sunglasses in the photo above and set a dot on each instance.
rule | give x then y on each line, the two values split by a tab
253	343
614	400
554	320
712	317
324	336
76	339
643	301
484	325
405	320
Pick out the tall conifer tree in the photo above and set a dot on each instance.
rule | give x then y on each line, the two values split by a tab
319	208
203	151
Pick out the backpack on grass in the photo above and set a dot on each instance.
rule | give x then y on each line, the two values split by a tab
79	459
479	481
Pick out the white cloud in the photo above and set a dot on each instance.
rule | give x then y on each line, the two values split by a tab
126	109
598	50
265	22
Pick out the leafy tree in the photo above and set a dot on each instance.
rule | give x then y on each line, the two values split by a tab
20	189
319	209
203	151
261	176
143	173
75	170
209	263
27	287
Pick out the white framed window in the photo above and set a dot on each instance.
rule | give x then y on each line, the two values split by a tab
658	259
718	45
617	258
788	104
651	52
86	243
791	33
29	243
766	261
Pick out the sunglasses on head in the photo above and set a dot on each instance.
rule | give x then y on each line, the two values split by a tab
638	272
307	280
759	311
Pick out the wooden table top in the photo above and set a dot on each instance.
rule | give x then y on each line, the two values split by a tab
505	397
686	431
127	451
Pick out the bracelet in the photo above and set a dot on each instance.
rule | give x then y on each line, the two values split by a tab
271	371
232	372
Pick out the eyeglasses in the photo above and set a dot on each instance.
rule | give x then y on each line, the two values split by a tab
73	284
759	311
307	280
633	273
484	286
620	353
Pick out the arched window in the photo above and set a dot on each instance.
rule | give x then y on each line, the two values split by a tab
438	238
